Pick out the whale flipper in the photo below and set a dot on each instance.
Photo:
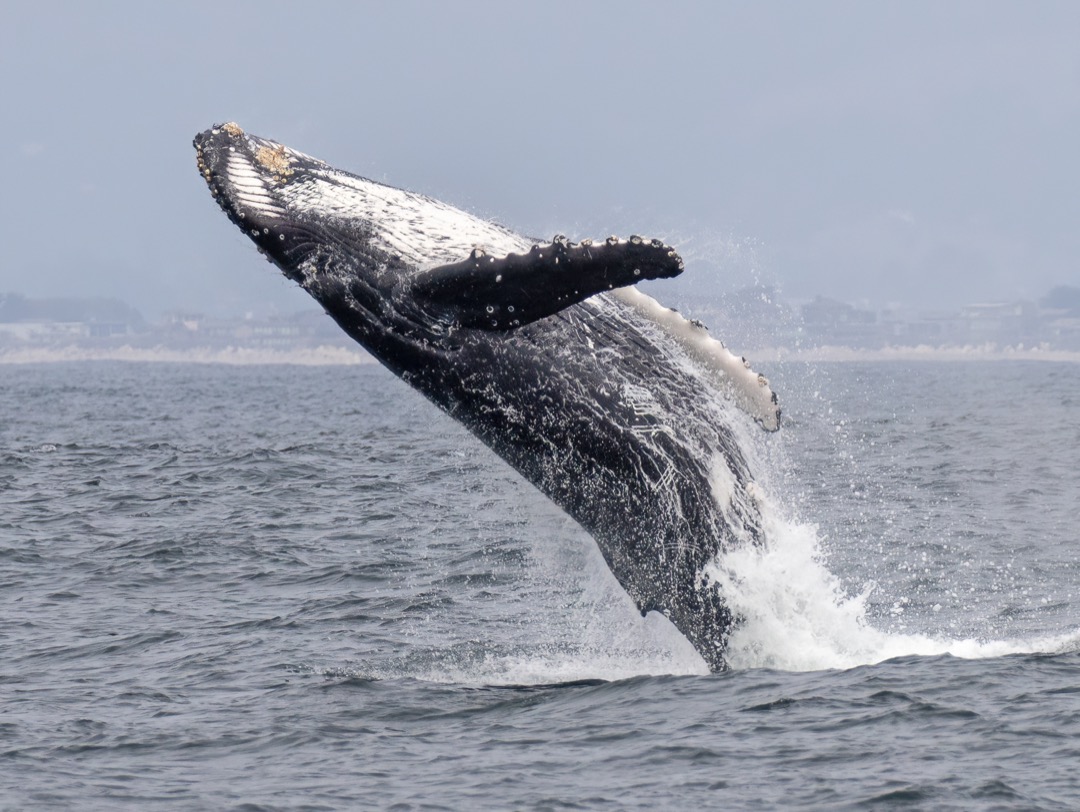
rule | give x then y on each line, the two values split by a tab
500	293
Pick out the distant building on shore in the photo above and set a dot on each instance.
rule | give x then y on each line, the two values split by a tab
756	318
62	320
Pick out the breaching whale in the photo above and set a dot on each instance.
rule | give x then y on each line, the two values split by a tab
618	409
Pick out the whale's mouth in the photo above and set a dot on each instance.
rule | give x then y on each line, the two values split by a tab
242	171
247	176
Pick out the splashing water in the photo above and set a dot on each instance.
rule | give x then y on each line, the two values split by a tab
798	617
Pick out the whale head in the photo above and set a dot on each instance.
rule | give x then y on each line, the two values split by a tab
324	227
265	188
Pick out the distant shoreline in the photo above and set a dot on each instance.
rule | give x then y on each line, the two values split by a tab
922	352
237	356
341	356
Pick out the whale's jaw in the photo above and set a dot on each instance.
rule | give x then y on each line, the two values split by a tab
247	176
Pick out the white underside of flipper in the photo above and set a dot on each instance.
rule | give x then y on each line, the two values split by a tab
731	373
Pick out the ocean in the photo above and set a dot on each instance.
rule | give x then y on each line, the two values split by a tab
264	587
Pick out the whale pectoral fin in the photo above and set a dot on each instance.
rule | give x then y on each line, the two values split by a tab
492	293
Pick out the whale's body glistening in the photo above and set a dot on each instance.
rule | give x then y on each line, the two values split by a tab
616	408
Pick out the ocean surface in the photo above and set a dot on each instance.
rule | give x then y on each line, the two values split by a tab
284	587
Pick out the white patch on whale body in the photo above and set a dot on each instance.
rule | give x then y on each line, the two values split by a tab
424	232
722	482
734	501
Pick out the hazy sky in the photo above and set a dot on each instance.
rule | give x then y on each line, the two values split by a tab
922	153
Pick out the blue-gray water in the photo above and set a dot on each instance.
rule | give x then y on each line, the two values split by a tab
304	588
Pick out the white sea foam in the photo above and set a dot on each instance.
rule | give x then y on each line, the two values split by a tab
548	667
797	615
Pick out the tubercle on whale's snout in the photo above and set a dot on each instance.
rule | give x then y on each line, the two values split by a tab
275	160
217	136
234	164
208	146
242	172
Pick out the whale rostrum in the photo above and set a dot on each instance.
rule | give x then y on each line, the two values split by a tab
625	414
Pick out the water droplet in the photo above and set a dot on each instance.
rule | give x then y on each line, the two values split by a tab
281	237
498	277
510	308
490	309
637	271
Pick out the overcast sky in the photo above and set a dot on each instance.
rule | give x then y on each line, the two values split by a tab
918	153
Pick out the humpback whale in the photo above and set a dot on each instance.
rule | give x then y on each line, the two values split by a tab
625	414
